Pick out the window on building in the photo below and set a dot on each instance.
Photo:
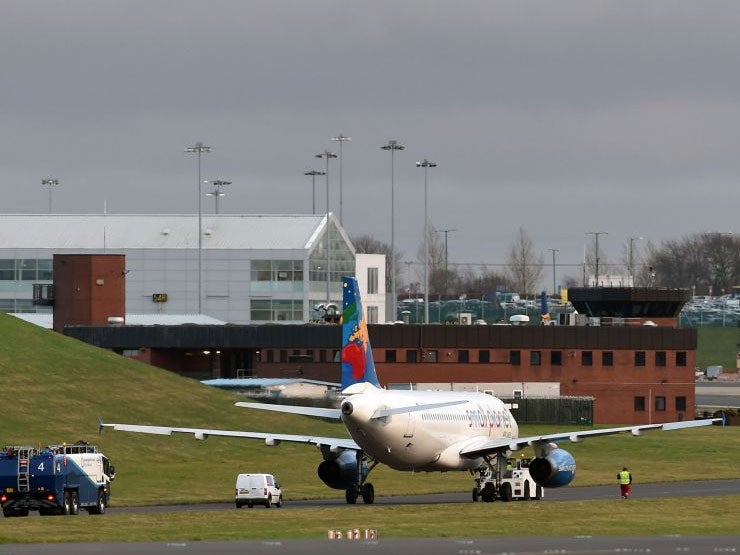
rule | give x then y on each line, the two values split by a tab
639	358
681	403
587	358
276	270
7	269
283	355
463	355
659	403
270	355
556	358
639	404
607	358
276	310
372	314
681	358
484	356
412	355
535	358
515	358
390	355
372	281
430	356
660	358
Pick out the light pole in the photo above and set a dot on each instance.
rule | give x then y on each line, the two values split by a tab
199	148
393	146
50	182
328	155
446	232
596	253
553	251
313	174
341	138
217	183
426	164
631	260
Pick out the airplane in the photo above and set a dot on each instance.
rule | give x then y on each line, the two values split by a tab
419	431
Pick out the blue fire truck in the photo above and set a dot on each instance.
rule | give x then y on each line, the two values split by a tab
54	480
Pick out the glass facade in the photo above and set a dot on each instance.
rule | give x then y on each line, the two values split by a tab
276	276
17	277
342	263
276	310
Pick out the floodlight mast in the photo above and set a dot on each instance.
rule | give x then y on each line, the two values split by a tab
199	148
426	164
393	146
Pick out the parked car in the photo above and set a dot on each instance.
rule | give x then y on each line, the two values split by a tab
261	489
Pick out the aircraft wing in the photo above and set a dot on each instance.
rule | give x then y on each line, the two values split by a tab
333	443
294	409
492	446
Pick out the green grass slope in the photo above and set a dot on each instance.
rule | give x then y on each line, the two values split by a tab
56	387
718	346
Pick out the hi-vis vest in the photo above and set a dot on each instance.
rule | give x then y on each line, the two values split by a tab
624	477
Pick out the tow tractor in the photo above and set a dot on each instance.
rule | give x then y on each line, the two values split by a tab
508	479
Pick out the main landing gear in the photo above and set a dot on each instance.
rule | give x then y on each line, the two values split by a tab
360	488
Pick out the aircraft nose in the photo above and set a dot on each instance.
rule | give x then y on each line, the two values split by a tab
347	408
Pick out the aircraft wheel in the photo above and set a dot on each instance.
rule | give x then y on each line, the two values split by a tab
489	493
368	494
351	495
506	494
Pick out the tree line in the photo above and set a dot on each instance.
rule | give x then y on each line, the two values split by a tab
705	263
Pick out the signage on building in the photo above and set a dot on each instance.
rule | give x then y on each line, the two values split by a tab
159	297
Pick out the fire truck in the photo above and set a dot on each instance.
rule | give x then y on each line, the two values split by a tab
54	480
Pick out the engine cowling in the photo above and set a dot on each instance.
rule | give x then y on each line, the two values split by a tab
555	470
341	472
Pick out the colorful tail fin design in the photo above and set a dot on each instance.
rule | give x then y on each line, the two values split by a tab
357	356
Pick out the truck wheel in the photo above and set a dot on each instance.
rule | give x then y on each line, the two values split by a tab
249	505
75	503
67	503
99	508
526	495
538	493
268	502
506	494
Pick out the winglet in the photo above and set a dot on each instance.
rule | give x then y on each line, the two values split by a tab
357	356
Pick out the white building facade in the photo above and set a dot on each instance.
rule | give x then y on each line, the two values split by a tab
241	269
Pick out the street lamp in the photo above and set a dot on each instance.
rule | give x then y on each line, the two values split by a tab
50	182
313	174
341	138
631	261
328	155
446	232
596	253
426	164
199	148
217	183
393	146
553	251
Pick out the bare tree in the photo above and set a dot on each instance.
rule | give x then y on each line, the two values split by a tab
524	266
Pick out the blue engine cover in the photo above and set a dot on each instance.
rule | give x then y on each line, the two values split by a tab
556	470
340	473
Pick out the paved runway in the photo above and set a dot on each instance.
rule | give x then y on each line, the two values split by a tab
579	545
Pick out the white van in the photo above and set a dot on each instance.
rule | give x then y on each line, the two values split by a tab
262	489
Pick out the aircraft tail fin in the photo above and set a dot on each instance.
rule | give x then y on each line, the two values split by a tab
357	356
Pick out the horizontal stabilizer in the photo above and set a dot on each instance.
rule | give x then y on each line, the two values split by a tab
382	413
293	409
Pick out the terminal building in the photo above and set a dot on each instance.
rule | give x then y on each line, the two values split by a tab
240	269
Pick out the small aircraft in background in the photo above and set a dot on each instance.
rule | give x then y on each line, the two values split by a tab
419	431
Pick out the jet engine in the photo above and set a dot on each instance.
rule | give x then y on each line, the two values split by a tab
341	472
556	469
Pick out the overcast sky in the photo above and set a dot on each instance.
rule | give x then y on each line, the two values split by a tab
561	117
